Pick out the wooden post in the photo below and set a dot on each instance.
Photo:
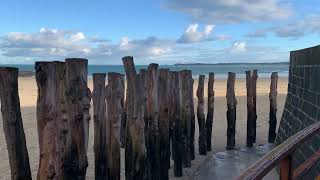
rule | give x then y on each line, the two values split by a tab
250	123
177	144
254	97
114	93
137	130
52	120
130	70
129	105
186	116
151	120
135	150
193	120
12	124
123	115
273	107
171	113
231	113
130	77
99	111
78	98
164	121
210	112
201	117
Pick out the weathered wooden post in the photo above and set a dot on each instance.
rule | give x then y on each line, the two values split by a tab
137	130
12	124
177	136
254	78
231	113
171	113
273	107
193	120
129	105
114	93
123	115
135	150
63	118
201	117
186	116
250	118
78	97
52	120
151	120
164	122
210	112
99	111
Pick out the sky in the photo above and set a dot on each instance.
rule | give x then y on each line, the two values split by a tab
158	31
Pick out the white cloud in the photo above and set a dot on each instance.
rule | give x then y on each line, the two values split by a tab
310	24
148	47
56	44
238	47
208	29
298	28
46	30
193	35
124	43
253	54
232	11
46	42
79	36
157	51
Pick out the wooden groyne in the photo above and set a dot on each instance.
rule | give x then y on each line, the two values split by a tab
150	113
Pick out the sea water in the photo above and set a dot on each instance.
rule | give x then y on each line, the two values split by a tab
220	70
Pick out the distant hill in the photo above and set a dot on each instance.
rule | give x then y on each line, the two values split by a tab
190	64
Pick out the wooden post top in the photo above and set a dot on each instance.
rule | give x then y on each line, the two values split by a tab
114	74
9	69
76	60
99	74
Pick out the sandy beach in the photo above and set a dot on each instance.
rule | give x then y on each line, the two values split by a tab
28	98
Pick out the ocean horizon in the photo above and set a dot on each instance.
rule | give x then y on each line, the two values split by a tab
221	70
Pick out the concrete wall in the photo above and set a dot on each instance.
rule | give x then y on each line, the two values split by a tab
302	106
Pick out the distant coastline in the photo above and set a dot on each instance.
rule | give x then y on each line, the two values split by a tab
265	63
26	73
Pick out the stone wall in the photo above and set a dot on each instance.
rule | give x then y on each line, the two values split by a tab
302	106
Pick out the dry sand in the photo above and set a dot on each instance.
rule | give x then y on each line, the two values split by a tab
28	99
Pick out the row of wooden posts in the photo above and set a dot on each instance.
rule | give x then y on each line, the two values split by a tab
154	120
